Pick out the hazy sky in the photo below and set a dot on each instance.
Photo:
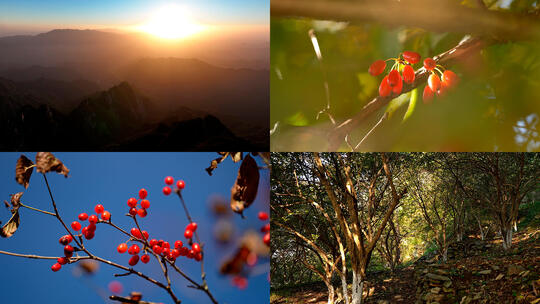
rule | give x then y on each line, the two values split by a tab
33	16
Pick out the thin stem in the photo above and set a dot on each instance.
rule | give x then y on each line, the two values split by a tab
57	214
40	257
38	210
370	131
128	300
203	274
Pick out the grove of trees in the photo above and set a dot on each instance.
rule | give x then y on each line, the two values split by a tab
336	215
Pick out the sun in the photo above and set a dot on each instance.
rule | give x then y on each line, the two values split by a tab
171	22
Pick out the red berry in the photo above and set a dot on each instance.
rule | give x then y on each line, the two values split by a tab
408	74
175	253
145	234
167	190
91	227
166	245
428	95
66	239
192	226
198	257
133	211
83	216
377	67
191	254
143	193
76	226
397	89
157	249
89	235
56	267
132	202
196	248
434	82
188	234
180	184
133	260
263	216
145	204
184	251
411	57
68	251
93	219
122	248
394	78
160	242
99	208
450	78
169	180
136	233
266	238
265	228
145	258
178	244
166	251
171	256
106	215
142	212
134	249
62	260
384	88
116	287
153	242
429	64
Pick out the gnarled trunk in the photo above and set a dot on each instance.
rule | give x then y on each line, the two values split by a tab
357	289
506	234
330	292
344	287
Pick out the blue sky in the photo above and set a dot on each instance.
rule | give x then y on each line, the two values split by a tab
110	179
33	15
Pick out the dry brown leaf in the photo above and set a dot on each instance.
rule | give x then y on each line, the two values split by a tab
46	162
235	264
11	226
244	191
23	171
16	201
235	156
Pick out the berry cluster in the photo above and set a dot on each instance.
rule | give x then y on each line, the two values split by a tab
68	252
88	232
263	216
392	84
145	204
437	85
159	247
180	184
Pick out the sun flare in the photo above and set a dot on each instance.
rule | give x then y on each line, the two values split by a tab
171	22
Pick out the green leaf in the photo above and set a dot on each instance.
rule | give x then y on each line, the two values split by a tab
368	85
396	103
298	119
412	104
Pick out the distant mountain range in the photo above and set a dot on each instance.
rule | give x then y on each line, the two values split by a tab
116	119
94	83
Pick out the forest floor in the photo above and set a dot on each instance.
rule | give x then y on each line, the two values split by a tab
482	273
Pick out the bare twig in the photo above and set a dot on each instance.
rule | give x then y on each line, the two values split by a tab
128	300
38	210
40	257
385	116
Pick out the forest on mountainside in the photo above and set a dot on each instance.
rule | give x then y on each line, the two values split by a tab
405	227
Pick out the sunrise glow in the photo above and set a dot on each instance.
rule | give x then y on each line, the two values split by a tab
172	22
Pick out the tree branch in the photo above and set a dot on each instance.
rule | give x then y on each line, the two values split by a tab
466	47
439	16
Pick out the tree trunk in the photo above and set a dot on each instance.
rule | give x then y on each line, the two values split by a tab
444	254
344	287
357	289
507	237
515	226
330	292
